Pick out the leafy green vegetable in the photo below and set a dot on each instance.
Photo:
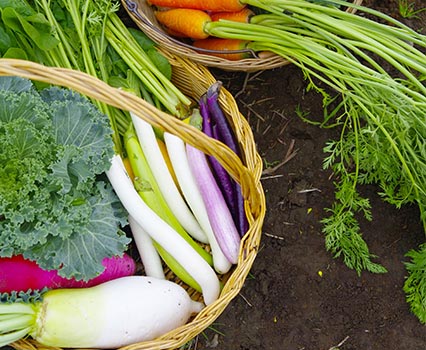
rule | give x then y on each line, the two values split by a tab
150	48
386	147
56	206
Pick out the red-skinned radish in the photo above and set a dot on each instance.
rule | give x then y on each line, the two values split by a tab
114	314
20	274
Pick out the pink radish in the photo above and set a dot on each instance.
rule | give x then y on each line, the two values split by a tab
19	274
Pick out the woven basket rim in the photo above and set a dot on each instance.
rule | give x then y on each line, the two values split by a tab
142	15
247	174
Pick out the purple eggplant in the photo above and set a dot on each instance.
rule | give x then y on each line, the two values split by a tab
222	131
224	180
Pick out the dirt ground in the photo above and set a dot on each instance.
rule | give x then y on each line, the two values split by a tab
286	303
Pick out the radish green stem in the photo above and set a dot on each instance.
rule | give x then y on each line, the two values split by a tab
169	95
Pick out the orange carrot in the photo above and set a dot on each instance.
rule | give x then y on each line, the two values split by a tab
188	22
207	5
224	45
243	15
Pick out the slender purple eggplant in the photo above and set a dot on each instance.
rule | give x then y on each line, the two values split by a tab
226	135
220	217
218	117
224	180
239	213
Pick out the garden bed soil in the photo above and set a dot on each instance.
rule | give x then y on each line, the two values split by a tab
297	296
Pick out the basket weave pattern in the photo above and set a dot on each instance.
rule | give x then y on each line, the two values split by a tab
193	80
143	16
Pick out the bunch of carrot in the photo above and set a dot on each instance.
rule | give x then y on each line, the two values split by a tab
186	20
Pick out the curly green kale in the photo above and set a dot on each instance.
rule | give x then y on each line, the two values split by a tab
56	205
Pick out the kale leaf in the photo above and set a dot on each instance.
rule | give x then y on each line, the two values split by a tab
56	205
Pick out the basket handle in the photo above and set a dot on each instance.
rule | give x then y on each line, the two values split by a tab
93	87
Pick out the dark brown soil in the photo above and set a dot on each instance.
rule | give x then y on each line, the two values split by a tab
297	295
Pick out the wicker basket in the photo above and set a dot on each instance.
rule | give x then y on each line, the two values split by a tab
193	80
143	15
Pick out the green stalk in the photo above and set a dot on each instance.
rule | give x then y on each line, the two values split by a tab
16	321
144	75
390	52
66	55
169	95
8	338
280	6
301	49
79	17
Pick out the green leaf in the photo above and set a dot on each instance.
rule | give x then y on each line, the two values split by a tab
5	40
80	254
21	6
143	40
415	284
15	52
160	62
35	26
29	297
